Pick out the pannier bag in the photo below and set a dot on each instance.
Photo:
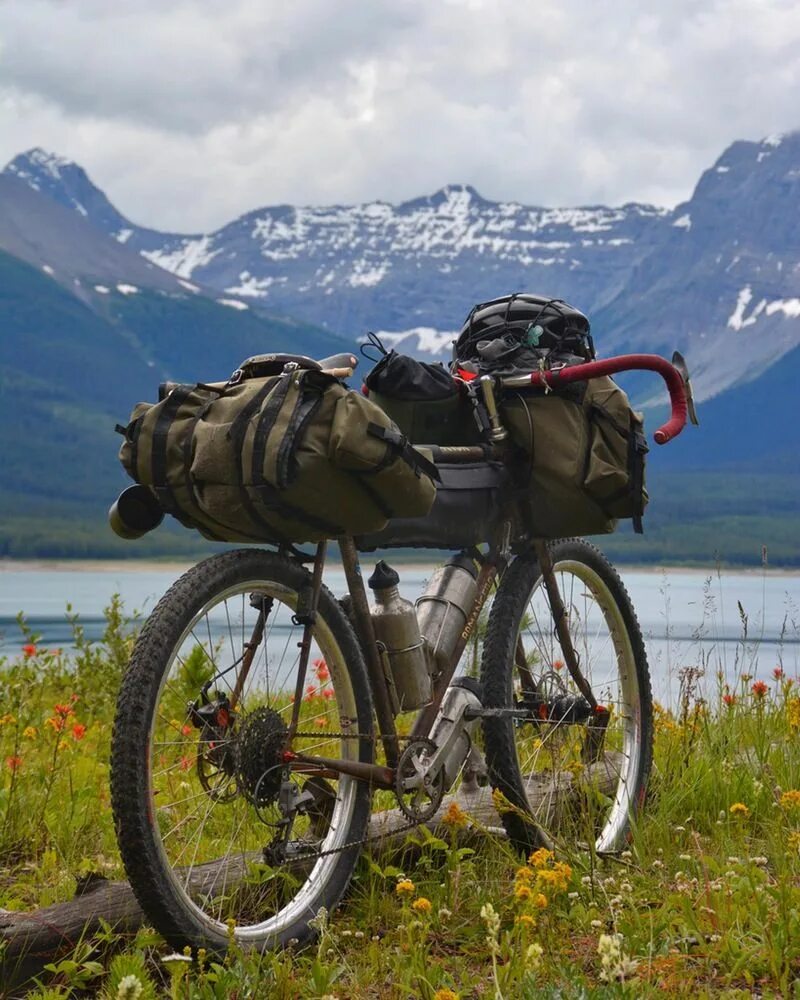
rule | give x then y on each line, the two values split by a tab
422	398
581	454
290	457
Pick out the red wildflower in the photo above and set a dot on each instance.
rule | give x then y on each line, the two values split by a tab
186	763
311	693
65	710
78	731
760	689
777	673
558	664
13	763
729	699
29	649
321	670
186	729
321	723
327	693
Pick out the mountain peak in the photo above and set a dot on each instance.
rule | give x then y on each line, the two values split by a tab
39	161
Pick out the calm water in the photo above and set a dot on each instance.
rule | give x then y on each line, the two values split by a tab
688	618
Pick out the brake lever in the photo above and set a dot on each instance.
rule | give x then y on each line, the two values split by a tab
679	363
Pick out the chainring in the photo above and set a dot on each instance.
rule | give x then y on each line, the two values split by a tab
420	800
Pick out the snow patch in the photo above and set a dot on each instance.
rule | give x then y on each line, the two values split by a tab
774	140
685	222
123	235
47	269
233	303
190	255
188	285
257	288
365	277
102	289
723	170
124	289
789	307
428	339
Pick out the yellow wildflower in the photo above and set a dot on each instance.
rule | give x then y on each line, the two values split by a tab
540	901
421	905
525	875
541	858
793	840
500	802
558	876
739	809
455	816
30	732
791	799
525	920
404	887
7	720
445	994
793	713
523	893
63	745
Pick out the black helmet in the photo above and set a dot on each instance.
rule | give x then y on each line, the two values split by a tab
521	330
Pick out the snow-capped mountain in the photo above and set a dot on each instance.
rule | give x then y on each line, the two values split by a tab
717	277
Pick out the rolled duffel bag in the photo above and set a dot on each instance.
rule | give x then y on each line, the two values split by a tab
582	452
469	507
293	457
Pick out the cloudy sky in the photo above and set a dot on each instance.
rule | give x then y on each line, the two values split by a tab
190	112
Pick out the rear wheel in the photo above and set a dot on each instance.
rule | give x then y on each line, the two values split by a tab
215	829
569	774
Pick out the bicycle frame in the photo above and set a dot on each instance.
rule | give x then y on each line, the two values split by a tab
677	381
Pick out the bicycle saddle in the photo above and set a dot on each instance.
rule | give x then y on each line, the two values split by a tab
273	364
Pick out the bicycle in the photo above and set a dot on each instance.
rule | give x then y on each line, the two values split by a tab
257	723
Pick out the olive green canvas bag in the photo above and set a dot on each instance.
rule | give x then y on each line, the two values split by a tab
294	457
582	457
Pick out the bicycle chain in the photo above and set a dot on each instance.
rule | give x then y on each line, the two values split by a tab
362	841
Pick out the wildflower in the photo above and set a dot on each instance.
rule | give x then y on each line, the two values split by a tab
523	893
65	710
500	802
525	920
186	730
760	689
328	693
615	964
445	914
793	713
455	816
759	861
525	875
63	745
597	924
404	887
558	876
30	732
558	664
445	994
421	905
777	673
13	763
29	650
186	763
685	857
790	799
7	720
129	988
311	693
541	901
321	722
540	858
533	956
78	731
321	670
739	809
492	920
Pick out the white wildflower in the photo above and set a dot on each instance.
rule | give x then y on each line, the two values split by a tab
129	988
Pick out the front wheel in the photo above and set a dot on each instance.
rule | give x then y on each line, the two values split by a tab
570	773
217	833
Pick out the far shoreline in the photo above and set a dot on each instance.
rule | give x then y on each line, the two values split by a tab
178	566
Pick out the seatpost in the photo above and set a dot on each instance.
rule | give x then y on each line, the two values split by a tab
498	432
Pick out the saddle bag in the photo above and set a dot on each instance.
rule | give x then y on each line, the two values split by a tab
289	457
581	452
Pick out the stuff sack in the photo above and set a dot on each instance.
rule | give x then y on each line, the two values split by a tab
293	457
581	455
422	398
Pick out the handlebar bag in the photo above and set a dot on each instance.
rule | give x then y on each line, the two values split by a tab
581	450
294	457
422	398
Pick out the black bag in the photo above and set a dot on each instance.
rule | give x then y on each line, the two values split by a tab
422	398
521	332
470	505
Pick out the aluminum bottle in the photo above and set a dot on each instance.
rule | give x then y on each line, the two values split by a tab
402	648
443	609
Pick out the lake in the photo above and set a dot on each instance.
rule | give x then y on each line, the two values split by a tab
689	618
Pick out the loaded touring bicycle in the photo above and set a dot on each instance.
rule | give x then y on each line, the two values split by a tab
266	728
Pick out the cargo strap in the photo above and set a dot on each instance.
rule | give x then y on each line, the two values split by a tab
405	450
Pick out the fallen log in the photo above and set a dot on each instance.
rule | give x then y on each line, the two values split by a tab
28	940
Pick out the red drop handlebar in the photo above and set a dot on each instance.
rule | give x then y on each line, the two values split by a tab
612	366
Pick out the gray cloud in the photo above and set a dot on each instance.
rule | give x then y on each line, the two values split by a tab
190	113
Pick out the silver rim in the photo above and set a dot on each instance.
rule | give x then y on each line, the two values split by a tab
189	824
553	773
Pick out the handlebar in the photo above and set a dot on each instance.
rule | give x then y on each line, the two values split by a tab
676	383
